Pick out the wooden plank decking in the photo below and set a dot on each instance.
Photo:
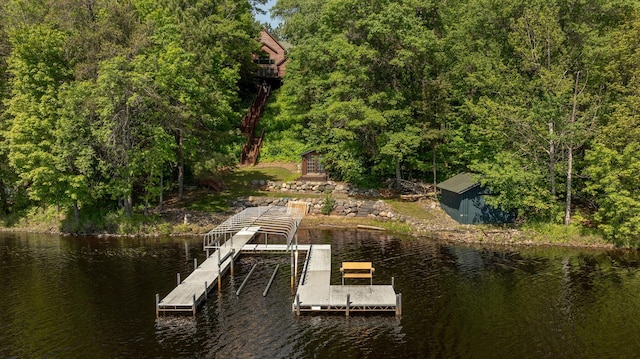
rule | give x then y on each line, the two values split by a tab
192	290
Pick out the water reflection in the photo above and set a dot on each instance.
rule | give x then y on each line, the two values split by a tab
70	296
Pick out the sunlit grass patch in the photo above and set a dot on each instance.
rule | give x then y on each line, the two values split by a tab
563	235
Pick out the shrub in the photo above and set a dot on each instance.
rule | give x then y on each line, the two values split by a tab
327	205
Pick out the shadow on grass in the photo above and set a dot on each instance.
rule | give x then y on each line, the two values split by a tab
238	184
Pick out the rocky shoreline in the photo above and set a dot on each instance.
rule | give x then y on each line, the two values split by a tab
346	212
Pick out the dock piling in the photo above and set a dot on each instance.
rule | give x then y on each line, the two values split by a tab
393	282
195	263
157	302
206	290
178	278
194	305
399	304
348	303
298	304
233	253
295	268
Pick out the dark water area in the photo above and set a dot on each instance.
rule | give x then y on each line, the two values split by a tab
88	297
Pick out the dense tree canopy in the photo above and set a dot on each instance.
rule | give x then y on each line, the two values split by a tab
111	102
105	99
536	97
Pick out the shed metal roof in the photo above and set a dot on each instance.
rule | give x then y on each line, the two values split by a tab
460	183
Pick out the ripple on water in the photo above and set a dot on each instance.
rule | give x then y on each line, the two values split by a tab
72	296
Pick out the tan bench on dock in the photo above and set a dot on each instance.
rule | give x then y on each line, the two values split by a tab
357	270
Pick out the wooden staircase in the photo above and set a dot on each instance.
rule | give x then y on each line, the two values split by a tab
251	149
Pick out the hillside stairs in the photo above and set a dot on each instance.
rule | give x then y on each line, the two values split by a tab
251	148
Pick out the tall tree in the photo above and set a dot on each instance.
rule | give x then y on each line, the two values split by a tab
364	80
38	68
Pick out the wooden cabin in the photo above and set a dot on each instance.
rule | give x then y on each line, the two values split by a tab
273	59
312	167
462	197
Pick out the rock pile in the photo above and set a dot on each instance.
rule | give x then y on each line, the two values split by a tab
313	187
341	207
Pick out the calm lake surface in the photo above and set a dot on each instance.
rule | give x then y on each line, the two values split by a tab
87	297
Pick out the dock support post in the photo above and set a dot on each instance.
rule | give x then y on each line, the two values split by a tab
195	263
206	290
348	304
398	304
219	274
233	253
298	304
393	282
157	302
207	253
178	278
194	305
295	269
264	294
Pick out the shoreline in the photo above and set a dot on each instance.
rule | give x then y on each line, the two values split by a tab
172	223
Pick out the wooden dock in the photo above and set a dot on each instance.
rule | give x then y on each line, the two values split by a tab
316	294
188	294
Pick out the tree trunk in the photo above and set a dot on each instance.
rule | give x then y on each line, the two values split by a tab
4	207
435	178
567	213
552	160
76	212
128	203
180	166
161	200
572	121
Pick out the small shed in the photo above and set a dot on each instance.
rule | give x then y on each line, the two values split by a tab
312	166
462	198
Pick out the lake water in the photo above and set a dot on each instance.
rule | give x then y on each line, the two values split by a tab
88	297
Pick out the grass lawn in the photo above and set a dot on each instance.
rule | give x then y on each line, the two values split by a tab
412	209
238	184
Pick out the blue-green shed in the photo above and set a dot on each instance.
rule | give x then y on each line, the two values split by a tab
462	198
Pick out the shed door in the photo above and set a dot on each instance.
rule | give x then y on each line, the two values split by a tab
314	164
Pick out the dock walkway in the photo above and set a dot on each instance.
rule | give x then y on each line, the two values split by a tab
193	290
315	292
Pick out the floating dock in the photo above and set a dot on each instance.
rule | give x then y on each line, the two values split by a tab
314	293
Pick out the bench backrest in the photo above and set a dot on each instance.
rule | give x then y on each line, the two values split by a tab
357	266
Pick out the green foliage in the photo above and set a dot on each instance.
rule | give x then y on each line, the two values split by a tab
614	180
363	85
106	99
514	187
111	101
327	205
558	234
283	140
